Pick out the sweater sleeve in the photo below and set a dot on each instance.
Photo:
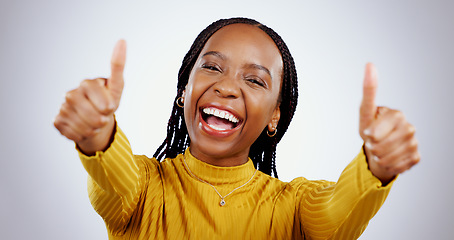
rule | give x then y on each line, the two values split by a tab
342	210
115	182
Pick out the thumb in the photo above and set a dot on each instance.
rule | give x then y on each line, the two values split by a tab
368	108
115	83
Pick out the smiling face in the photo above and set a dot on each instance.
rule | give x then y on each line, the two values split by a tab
232	94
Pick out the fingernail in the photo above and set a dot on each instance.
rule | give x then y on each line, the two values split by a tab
375	158
104	119
367	132
368	145
111	106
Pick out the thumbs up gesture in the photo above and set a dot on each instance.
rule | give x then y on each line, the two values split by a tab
390	144
86	116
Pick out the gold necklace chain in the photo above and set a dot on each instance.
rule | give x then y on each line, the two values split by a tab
222	202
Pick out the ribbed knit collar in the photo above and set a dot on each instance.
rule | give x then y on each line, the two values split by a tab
218	175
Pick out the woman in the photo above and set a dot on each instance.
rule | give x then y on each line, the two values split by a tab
236	95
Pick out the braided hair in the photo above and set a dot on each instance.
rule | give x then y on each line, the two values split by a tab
263	150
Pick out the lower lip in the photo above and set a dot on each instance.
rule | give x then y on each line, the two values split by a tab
214	132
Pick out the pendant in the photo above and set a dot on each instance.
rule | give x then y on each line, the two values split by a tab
222	203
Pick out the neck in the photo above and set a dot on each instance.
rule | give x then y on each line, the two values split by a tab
226	160
229	177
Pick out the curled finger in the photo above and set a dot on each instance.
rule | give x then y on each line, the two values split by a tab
406	163
96	92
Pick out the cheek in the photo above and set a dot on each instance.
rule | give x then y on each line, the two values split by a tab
188	101
260	108
199	84
195	89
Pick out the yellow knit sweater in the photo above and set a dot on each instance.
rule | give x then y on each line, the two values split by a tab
141	198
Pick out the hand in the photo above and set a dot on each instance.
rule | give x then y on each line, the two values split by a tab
86	116
390	143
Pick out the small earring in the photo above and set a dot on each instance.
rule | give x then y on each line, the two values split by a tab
180	99
271	134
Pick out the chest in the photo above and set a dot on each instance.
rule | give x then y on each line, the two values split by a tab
192	210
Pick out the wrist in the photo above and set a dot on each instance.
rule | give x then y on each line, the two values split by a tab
381	173
101	141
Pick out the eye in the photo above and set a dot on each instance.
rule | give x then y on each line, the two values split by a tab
211	67
256	81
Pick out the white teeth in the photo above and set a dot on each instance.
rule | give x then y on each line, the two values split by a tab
221	114
217	128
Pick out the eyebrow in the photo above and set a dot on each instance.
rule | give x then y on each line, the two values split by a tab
215	53
252	65
260	67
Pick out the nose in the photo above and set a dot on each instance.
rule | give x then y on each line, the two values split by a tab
227	87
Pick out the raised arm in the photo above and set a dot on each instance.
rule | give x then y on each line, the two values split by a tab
342	210
390	142
87	115
116	178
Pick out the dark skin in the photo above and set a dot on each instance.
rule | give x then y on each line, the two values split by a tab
239	72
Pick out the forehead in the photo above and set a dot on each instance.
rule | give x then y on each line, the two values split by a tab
245	42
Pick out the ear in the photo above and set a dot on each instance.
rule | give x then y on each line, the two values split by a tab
183	95
274	119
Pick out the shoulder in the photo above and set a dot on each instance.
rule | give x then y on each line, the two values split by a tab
300	184
168	166
298	187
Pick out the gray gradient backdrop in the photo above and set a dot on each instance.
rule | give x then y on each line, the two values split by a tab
48	47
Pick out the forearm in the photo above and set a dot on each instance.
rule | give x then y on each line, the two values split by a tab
343	210
115	182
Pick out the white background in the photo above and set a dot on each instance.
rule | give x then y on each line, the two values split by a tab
48	47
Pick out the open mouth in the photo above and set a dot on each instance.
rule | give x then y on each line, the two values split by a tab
219	120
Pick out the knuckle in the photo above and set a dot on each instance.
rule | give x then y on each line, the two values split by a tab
382	109
411	129
58	123
414	162
65	131
70	95
373	150
369	145
415	159
101	81
399	115
99	121
64	110
378	150
102	107
86	83
89	133
107	107
414	143
382	163
90	83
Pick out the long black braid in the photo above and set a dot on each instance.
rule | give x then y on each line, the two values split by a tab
263	150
